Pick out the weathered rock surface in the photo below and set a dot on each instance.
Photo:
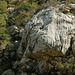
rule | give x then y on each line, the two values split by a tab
49	33
47	37
48	29
10	9
21	32
13	30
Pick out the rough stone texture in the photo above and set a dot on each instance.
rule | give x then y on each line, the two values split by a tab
21	32
73	46
13	30
48	29
73	1
8	56
49	33
10	9
72	5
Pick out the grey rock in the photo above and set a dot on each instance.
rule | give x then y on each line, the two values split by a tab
48	28
21	32
73	1
13	30
10	9
73	46
48	33
72	5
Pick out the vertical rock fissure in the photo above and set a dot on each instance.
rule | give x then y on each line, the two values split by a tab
70	48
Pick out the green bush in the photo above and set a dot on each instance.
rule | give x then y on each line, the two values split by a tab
3	6
3	17
23	12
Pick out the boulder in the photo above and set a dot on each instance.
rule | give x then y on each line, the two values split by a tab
49	30
10	9
21	32
72	1
47	35
72	5
13	30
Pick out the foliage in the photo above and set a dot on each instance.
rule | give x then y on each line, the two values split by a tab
3	6
23	12
33	74
3	17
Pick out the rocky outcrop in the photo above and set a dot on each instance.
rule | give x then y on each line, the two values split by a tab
21	32
10	9
47	35
47	46
51	29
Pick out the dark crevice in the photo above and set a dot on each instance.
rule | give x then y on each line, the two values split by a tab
70	48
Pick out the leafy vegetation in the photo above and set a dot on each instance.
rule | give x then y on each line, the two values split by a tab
3	6
23	12
3	17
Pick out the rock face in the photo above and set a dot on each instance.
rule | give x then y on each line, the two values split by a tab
49	33
46	39
49	29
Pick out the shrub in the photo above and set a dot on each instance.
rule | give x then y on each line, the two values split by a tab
3	6
3	17
22	13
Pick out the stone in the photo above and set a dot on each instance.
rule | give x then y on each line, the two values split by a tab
21	32
8	72
49	30
13	30
72	10
73	1
47	36
10	9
